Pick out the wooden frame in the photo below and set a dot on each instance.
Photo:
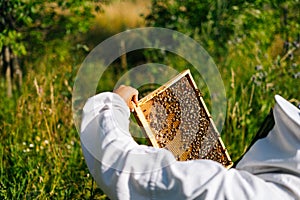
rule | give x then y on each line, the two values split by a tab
175	117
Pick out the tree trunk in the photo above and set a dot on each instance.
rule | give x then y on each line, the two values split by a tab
7	71
8	82
10	67
17	72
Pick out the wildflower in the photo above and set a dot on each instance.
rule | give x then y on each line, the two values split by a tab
258	67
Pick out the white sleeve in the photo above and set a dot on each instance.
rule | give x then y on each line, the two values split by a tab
125	170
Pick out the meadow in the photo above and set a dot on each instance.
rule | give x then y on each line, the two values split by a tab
40	150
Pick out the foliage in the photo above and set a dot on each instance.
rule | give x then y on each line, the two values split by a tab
213	23
26	23
254	43
27	27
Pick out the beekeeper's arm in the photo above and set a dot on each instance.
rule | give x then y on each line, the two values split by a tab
125	170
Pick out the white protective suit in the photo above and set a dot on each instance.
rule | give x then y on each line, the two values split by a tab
125	170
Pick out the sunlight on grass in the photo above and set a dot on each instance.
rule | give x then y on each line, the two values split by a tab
40	152
116	17
123	14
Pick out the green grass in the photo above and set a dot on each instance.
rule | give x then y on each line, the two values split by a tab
40	152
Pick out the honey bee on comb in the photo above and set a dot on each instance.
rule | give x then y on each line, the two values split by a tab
175	117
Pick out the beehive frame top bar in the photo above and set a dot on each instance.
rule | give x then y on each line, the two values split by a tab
175	117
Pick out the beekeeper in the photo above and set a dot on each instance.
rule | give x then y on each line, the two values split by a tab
125	170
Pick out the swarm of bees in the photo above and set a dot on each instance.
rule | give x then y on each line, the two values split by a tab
175	117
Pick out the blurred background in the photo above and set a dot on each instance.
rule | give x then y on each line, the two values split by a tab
255	45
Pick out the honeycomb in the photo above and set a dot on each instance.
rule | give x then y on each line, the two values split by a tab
175	117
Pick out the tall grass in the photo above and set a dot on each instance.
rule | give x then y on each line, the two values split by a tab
256	75
40	152
40	148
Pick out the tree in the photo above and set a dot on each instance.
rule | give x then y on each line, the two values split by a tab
214	23
26	23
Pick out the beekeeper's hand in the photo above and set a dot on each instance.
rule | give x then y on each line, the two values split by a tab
129	94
